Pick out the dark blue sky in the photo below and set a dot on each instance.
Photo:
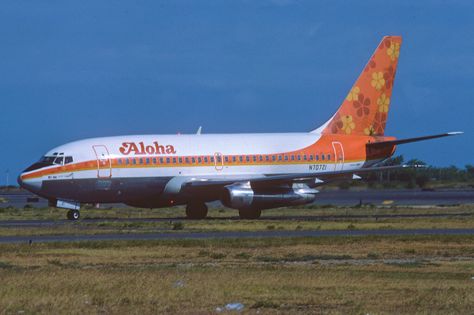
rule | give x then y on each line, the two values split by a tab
77	69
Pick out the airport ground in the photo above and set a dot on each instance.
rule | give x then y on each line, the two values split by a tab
343	273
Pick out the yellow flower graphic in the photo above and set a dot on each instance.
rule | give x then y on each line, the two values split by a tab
393	51
347	124
353	94
383	101
369	131
377	80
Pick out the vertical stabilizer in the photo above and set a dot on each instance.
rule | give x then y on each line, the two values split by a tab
364	110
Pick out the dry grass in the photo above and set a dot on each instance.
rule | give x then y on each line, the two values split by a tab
306	275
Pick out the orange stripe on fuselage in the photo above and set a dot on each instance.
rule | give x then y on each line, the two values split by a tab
354	151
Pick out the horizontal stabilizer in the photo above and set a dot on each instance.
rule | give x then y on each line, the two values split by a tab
408	140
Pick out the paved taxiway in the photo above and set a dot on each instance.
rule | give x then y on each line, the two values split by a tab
332	197
52	223
221	235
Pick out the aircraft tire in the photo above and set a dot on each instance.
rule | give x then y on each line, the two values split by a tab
196	210
250	214
73	215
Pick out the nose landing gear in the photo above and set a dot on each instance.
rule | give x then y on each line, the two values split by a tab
73	215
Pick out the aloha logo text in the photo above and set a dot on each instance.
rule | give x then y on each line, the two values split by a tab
140	148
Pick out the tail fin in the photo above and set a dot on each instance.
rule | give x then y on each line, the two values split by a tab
365	109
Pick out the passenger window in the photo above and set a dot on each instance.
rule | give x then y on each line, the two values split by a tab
305	157
234	159
205	159
322	157
329	157
292	157
134	161
254	158
317	157
199	160
267	158
261	158
298	157
273	158
168	160
161	160
154	160
147	160
119	161
279	158
241	158
141	161
212	159
174	160
310	157
193	160
180	160
247	158
286	157
186	160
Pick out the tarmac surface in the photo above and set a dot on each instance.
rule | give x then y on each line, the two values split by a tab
229	235
325	197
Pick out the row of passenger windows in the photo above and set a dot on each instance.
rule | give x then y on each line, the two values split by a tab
225	159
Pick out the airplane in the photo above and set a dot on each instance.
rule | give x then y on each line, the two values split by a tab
246	172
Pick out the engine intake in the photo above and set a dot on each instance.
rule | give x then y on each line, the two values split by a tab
245	197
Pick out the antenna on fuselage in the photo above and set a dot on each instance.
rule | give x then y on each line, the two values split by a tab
199	130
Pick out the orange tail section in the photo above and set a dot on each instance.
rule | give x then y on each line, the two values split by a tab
365	109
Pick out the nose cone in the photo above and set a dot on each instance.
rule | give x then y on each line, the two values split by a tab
20	182
33	185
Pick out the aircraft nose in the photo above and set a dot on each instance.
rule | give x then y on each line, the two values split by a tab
33	185
20	181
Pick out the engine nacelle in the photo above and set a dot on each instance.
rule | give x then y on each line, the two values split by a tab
244	197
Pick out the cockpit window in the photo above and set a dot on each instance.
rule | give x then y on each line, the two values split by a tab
54	159
59	160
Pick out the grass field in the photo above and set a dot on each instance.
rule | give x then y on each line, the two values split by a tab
327	275
308	276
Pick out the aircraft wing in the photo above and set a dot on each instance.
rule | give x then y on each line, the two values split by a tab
261	181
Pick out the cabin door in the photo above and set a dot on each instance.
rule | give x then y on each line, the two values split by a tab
338	156
104	164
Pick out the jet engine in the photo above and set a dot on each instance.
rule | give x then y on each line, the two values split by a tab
243	196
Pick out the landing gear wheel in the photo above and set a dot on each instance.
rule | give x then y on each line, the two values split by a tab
250	214
73	215
196	210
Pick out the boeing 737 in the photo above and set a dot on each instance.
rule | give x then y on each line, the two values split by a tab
247	172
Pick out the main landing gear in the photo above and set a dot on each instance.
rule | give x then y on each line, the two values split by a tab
73	215
196	210
250	214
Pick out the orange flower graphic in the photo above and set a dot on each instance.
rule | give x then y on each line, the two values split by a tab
347	124
353	94
393	51
383	101
377	80
362	105
369	131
